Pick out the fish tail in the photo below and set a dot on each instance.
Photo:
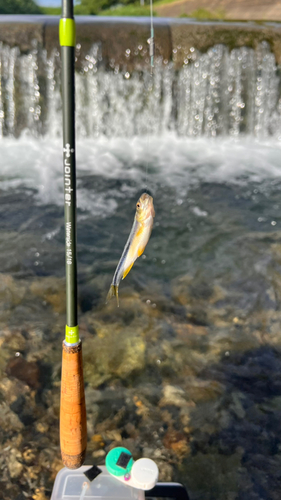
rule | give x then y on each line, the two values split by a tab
113	291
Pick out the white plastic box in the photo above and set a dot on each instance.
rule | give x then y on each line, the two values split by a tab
70	485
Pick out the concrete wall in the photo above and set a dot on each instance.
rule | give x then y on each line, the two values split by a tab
174	37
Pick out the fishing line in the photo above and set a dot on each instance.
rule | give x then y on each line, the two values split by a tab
151	54
151	43
85	486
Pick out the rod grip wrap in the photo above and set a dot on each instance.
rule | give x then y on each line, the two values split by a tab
71	334
67	32
73	423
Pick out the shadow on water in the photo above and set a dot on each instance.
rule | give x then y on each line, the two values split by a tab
236	444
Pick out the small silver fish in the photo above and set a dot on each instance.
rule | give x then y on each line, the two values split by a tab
136	242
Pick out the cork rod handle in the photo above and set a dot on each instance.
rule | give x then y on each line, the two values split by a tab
73	424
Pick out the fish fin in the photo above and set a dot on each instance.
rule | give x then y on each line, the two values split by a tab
113	291
140	231
140	251
127	270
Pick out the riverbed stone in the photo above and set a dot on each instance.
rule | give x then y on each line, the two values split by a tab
14	463
165	470
173	396
14	340
12	291
39	494
181	290
8	420
203	390
98	454
52	290
114	354
177	442
27	372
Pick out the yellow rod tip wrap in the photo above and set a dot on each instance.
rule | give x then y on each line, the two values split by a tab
67	32
71	334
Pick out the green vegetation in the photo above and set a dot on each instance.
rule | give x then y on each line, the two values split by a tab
51	11
163	2
207	14
19	7
101	8
127	10
92	7
111	8
133	8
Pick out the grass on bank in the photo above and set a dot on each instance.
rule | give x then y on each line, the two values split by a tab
103	8
134	9
205	14
51	11
108	8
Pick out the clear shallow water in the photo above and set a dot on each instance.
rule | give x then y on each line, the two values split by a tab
187	371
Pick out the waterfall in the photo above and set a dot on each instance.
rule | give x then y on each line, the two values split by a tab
220	92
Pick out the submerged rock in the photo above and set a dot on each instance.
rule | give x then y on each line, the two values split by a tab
14	463
181	290
177	442
173	396
11	291
40	494
52	290
13	340
202	390
9	421
26	371
165	470
115	354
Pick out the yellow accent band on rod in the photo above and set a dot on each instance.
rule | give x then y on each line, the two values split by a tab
67	32
71	334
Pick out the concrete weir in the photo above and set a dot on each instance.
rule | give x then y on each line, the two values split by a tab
209	79
174	37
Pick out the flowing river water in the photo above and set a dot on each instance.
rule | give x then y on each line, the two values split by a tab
187	370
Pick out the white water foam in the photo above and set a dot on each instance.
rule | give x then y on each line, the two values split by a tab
178	163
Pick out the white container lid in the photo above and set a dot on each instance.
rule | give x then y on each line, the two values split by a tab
69	486
144	474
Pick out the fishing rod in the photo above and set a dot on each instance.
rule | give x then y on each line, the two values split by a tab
73	425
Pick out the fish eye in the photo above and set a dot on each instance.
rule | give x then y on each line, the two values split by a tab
138	205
